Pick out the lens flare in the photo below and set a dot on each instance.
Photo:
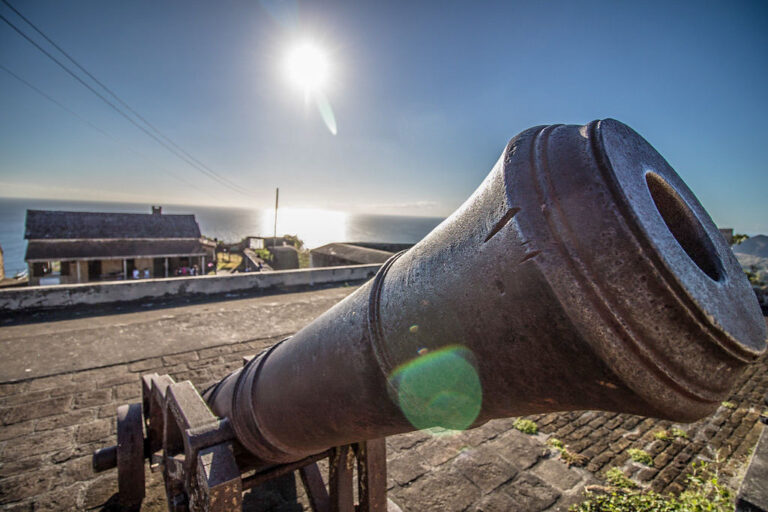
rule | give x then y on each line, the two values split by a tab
326	112
440	388
308	69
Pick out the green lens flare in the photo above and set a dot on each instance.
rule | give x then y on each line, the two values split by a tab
439	389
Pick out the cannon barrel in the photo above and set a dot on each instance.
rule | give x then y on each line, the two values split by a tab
581	274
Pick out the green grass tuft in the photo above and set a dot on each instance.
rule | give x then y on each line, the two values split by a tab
617	478
555	443
640	456
526	426
676	432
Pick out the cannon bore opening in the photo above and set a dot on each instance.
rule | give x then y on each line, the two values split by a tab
684	226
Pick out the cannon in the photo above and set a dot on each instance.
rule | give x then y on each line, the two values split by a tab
581	274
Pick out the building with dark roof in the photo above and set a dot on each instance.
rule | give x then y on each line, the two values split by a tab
78	247
333	255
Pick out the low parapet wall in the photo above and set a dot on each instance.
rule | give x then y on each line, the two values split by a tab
50	297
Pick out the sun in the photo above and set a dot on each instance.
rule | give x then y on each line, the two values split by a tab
307	67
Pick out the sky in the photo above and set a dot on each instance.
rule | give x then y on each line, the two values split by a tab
424	96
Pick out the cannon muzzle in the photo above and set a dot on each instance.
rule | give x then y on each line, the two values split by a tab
582	274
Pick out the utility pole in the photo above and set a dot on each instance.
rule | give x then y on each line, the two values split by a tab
277	195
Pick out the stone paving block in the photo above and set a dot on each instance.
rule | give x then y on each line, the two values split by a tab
93	431
106	376
406	441
41	409
195	376
647	473
26	398
11	468
556	474
99	490
580	433
128	391
61	498
406	468
484	468
52	382
520	449
93	397
479	435
78	469
205	363
529	492
37	443
438	450
215	351
29	484
146	365
596	448
584	418
442	491
16	430
496	502
501	425
176	359
13	388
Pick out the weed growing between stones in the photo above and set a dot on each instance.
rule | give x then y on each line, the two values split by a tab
728	405
640	456
555	443
526	426
668	435
705	493
567	456
676	432
617	478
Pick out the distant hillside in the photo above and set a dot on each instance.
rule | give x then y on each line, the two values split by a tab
754	246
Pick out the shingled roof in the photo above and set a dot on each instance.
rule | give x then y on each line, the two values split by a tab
56	225
112	249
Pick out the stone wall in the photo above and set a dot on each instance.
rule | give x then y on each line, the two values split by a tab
47	297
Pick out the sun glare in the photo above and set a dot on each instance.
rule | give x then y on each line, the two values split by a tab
307	67
314	226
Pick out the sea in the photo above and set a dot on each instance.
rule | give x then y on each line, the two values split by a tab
315	227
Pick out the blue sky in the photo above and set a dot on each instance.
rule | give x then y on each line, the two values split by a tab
425	96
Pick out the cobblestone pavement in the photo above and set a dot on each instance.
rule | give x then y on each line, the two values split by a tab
51	425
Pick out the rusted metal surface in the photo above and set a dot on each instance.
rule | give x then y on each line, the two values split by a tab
582	274
273	472
372	475
340	472
104	459
130	456
218	480
315	487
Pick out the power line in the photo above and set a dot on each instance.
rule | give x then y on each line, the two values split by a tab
190	161
90	124
115	96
